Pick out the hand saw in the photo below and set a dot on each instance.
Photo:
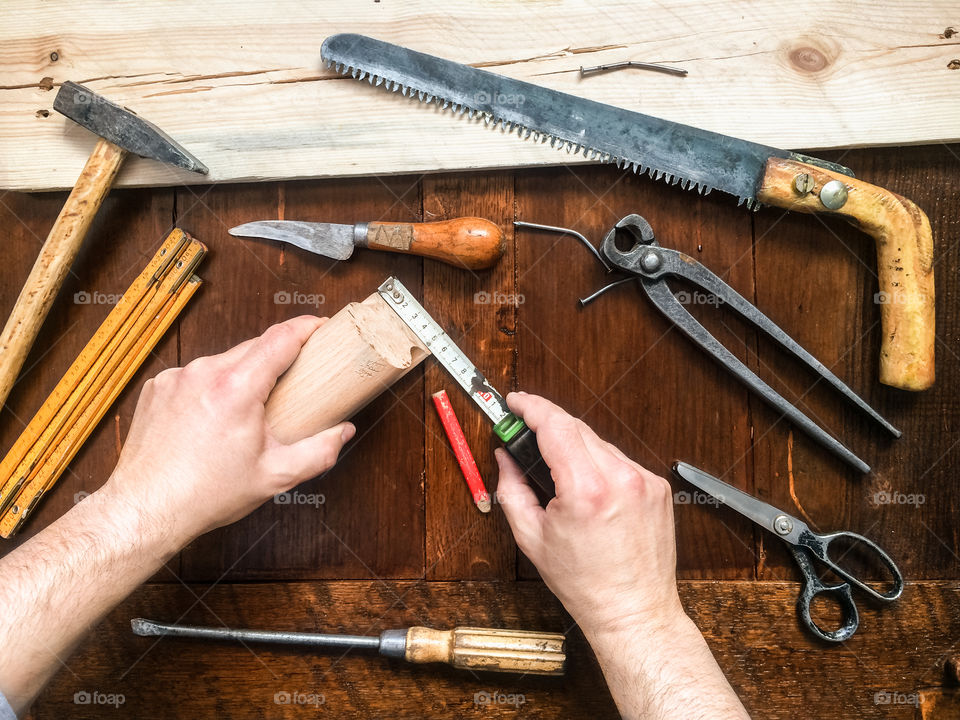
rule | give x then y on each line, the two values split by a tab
695	159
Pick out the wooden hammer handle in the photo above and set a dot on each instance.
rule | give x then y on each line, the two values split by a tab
904	261
522	651
53	263
467	242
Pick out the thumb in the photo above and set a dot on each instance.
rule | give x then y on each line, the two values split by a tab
519	503
313	455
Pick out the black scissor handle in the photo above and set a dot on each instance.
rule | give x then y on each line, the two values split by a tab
819	546
813	587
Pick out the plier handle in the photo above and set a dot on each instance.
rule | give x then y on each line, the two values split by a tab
647	260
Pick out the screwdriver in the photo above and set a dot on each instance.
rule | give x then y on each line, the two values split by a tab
519	440
467	648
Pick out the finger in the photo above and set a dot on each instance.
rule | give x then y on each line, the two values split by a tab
273	352
519	503
559	440
311	456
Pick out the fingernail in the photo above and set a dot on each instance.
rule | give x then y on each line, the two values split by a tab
349	430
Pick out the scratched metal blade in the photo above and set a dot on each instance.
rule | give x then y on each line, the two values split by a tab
696	159
328	239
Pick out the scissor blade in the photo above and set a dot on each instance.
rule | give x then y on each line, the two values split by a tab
747	505
328	239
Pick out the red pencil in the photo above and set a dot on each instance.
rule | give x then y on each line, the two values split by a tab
460	448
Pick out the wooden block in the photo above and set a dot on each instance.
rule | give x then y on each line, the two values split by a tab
355	355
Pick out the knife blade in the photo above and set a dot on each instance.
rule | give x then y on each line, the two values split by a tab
467	242
692	157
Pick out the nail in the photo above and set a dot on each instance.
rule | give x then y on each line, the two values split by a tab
349	430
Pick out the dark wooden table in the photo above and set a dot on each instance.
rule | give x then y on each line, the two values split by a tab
397	541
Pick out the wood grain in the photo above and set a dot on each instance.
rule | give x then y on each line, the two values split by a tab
345	364
478	310
55	258
904	261
779	671
364	518
252	101
617	363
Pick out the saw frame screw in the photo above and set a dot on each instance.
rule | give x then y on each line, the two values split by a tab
833	195
803	184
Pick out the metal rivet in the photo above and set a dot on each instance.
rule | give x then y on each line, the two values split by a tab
803	183
833	195
782	525
650	261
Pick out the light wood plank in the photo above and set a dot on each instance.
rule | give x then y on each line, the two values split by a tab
241	85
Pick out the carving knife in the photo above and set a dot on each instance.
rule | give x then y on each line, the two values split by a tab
467	242
693	158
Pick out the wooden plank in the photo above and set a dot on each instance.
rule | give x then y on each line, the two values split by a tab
819	283
251	100
365	517
126	233
478	312
779	671
618	363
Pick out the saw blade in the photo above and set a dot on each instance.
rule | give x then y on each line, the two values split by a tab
679	154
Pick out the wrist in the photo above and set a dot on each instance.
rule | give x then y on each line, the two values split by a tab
139	518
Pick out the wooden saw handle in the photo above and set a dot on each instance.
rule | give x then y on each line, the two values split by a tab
470	648
904	260
53	263
467	242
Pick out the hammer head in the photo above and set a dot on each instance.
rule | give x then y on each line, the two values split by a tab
122	127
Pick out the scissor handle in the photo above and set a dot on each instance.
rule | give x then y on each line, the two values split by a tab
813	587
819	545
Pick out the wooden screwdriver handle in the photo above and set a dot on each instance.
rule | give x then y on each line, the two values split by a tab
467	242
904	260
521	651
53	263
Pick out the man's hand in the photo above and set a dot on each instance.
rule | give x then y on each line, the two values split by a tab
605	546
200	454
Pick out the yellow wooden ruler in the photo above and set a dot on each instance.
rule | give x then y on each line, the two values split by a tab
96	378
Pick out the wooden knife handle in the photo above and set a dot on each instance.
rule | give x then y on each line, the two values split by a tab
468	242
470	648
52	264
904	259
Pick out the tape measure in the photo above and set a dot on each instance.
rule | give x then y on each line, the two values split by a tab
518	439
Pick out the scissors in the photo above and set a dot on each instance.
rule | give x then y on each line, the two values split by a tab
806	546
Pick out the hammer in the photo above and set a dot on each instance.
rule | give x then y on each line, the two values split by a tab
120	131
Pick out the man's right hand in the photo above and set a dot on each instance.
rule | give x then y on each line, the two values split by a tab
605	546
